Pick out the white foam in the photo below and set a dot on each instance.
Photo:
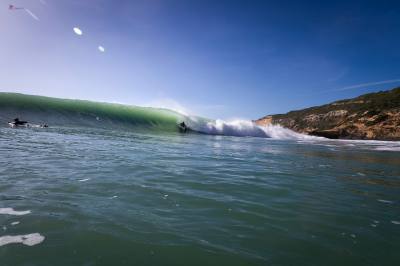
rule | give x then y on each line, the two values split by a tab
377	145
396	222
385	201
279	132
11	211
15	223
388	148
28	240
324	165
239	127
245	128
84	180
232	128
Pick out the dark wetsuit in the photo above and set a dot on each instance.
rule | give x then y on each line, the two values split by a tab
19	123
183	127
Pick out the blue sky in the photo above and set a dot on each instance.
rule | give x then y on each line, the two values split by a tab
220	59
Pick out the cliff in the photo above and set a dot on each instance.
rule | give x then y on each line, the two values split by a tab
374	116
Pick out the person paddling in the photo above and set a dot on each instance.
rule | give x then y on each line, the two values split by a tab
17	122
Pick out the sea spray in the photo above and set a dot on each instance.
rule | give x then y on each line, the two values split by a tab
245	128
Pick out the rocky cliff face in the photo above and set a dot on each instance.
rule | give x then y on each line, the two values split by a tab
371	116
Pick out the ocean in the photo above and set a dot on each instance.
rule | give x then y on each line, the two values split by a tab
112	185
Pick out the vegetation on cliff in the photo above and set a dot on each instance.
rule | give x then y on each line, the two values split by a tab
369	116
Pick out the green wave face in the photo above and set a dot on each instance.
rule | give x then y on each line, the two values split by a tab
65	112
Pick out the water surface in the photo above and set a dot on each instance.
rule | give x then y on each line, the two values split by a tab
103	197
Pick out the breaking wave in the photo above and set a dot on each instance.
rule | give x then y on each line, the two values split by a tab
66	113
245	128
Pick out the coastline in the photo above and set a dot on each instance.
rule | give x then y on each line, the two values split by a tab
374	116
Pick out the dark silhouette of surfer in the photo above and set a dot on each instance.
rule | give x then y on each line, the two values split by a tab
17	122
182	127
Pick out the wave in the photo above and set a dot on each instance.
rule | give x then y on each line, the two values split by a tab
66	112
244	128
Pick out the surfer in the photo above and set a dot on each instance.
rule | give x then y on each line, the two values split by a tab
182	127
17	122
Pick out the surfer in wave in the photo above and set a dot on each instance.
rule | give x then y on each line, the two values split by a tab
183	127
